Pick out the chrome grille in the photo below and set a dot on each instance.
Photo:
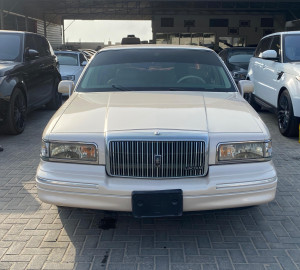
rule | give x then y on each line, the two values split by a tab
156	159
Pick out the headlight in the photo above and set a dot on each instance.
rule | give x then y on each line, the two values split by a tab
239	76
68	77
69	152
244	151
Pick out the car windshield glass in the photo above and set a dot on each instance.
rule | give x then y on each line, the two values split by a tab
67	59
156	69
240	58
10	47
292	48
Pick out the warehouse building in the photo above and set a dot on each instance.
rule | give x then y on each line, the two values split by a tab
197	22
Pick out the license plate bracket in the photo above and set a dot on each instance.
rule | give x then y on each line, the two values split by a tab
161	203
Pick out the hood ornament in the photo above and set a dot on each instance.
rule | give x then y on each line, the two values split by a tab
156	132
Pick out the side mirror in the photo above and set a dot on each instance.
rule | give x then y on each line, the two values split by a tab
245	87
66	87
32	54
84	63
269	54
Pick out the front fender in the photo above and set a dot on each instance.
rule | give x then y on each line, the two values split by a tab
7	86
293	86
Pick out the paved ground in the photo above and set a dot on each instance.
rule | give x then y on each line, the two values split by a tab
35	235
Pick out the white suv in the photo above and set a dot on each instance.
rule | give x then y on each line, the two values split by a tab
275	72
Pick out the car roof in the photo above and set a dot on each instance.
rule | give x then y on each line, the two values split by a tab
283	33
154	46
70	52
19	32
239	48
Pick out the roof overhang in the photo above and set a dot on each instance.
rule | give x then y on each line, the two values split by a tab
56	10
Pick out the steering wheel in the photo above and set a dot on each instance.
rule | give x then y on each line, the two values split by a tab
188	77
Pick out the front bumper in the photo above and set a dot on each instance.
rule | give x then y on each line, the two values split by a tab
225	186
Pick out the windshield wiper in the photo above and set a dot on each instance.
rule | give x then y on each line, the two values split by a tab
120	87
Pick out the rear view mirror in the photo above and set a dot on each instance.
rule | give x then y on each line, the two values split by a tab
245	87
32	54
66	87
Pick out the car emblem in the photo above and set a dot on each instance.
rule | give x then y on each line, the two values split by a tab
156	132
157	161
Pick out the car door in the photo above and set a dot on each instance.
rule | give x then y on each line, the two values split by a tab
32	73
258	67
46	66
271	74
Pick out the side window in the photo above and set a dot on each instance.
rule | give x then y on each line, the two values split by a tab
42	46
82	58
30	42
275	45
262	46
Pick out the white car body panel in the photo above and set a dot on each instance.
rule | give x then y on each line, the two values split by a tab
71	70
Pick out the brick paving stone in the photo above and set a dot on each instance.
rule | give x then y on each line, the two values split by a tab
36	235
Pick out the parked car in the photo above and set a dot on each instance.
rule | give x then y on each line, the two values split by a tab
87	53
159	130
29	78
130	39
237	60
275	73
71	64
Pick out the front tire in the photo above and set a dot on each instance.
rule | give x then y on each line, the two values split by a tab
16	116
287	122
56	99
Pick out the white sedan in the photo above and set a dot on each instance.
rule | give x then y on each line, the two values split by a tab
71	64
156	130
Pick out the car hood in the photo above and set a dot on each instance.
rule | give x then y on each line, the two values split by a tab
117	111
7	67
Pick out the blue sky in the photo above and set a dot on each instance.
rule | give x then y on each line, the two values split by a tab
103	31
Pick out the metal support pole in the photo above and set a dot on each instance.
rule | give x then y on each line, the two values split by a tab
45	26
63	31
26	23
1	14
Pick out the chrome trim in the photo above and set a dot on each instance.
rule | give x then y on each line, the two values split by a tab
237	161
75	161
248	183
176	136
66	184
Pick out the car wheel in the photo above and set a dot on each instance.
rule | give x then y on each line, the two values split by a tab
16	115
287	122
250	99
56	99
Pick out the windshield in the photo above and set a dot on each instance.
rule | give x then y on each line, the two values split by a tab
291	48
240	58
10	47
155	69
67	59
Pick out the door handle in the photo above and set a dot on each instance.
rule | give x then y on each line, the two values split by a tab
279	75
